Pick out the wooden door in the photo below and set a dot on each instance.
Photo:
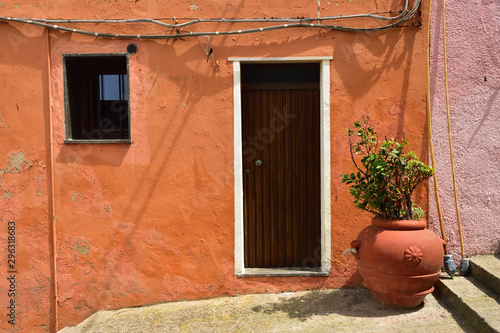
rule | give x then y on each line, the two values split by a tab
281	170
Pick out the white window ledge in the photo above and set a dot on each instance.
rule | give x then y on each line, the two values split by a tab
286	271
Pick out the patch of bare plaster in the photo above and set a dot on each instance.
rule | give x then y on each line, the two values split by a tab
80	198
193	5
109	1
40	179
82	247
13	166
16	160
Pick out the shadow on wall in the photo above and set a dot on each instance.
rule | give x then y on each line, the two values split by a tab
370	57
364	69
489	105
189	77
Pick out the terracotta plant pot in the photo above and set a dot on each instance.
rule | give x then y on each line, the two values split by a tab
399	261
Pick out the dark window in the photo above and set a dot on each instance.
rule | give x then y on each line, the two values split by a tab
97	98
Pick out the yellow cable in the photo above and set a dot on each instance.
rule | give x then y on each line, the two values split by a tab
429	123
449	132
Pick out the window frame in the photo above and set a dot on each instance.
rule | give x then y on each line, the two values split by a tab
67	110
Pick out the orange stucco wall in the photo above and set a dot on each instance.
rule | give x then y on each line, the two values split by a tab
24	174
153	221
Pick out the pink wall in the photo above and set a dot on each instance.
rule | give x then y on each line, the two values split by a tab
473	52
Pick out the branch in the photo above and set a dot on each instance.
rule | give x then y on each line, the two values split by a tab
354	161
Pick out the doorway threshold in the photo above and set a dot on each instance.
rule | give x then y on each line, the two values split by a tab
283	271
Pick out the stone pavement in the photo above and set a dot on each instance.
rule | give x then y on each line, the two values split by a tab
333	310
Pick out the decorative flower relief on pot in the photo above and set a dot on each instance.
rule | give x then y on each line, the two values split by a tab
413	255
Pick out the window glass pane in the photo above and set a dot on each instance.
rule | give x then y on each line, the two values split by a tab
113	87
124	87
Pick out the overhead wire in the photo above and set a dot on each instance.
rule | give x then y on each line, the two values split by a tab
228	20
404	16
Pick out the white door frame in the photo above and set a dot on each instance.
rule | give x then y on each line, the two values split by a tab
239	265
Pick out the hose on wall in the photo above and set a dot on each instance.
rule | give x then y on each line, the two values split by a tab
449	264
54	313
449	132
429	123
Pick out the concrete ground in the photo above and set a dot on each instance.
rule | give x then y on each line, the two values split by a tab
335	310
477	295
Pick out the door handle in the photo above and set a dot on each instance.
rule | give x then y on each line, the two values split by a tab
258	163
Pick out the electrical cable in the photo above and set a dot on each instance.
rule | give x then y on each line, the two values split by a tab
219	20
404	16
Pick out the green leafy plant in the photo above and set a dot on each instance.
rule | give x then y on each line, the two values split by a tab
387	174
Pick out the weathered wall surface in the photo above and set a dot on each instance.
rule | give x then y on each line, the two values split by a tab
24	192
473	50
153	221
